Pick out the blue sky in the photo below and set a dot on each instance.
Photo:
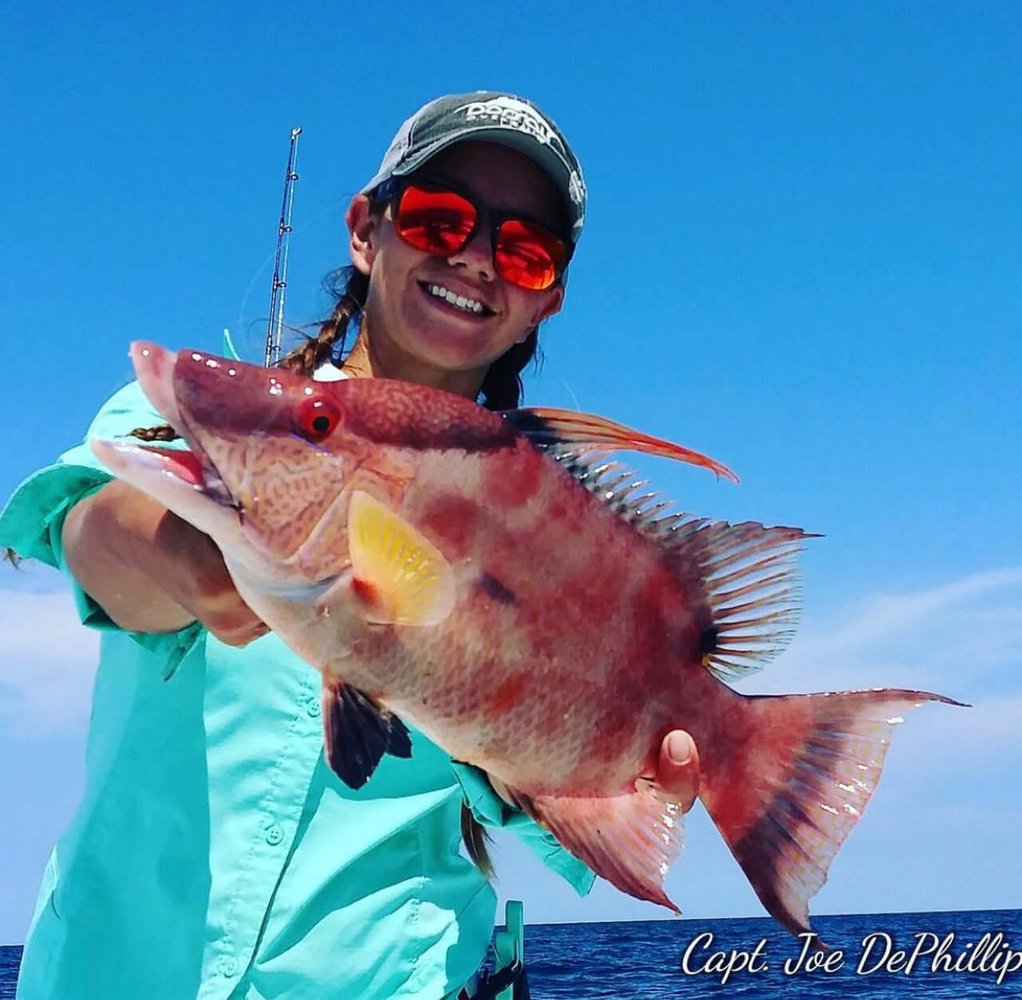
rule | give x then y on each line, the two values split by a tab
802	256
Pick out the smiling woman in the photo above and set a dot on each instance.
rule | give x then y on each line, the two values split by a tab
215	853
443	316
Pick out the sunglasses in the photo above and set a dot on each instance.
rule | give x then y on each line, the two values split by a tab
438	220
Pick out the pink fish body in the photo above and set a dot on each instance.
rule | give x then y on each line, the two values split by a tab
475	575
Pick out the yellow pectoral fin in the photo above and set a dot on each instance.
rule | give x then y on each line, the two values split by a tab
404	579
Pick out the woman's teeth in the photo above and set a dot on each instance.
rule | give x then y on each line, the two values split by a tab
458	301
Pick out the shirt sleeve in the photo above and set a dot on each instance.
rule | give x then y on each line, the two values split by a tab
491	810
32	523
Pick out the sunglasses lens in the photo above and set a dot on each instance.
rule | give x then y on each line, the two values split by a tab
441	222
437	222
529	256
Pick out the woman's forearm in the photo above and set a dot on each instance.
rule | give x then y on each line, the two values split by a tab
149	570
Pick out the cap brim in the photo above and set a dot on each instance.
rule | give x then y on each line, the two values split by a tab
542	155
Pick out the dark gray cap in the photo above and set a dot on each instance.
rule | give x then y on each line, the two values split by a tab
488	116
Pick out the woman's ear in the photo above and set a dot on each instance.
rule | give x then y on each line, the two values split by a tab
362	222
547	303
550	303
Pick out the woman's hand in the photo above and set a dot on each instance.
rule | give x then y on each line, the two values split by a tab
149	570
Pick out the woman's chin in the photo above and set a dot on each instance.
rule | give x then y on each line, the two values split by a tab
450	341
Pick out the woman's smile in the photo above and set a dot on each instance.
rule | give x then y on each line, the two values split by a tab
449	299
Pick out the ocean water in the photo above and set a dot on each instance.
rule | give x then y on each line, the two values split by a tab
962	955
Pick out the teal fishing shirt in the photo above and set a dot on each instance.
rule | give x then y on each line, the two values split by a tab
214	854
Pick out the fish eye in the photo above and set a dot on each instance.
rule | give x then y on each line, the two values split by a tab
317	418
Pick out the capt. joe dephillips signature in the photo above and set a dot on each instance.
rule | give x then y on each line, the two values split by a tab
878	952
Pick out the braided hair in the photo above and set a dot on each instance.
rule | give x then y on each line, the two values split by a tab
350	287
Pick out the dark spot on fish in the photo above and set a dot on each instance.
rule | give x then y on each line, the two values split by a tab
708	640
514	481
530	424
451	522
508	694
495	589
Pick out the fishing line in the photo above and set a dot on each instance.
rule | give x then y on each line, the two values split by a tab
571	393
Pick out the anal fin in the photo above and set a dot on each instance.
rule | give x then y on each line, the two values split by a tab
358	731
629	839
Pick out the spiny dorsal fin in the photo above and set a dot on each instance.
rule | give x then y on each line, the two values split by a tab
751	584
748	571
615	484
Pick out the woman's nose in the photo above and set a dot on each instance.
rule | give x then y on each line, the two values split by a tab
476	255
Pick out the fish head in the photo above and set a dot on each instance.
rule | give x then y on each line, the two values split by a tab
269	464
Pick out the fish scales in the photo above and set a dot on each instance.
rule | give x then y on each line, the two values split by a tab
481	577
539	635
554	618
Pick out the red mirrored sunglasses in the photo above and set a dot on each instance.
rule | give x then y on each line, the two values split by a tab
438	220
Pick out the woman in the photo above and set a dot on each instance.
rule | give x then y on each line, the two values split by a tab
215	854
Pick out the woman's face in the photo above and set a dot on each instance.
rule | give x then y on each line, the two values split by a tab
414	332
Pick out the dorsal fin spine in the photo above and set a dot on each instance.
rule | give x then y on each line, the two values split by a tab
745	563
723	614
767	619
720	599
756	596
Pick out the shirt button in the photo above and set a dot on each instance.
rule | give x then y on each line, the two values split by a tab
273	834
312	706
228	966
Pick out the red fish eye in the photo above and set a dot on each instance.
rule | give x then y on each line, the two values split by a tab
317	417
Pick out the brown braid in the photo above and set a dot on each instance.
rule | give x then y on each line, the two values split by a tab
350	287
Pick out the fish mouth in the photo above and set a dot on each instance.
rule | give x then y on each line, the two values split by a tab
194	468
154	366
187	483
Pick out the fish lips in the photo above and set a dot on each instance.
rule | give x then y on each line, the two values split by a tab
162	472
154	366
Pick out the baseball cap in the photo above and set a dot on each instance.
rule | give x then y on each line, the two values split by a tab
488	116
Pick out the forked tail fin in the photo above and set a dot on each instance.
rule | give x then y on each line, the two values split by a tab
788	790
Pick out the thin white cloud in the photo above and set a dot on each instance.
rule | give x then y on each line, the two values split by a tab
47	661
885	616
957	633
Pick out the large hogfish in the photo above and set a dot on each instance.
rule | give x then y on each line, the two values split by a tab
480	576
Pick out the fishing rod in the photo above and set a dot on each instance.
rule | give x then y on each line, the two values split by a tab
275	321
